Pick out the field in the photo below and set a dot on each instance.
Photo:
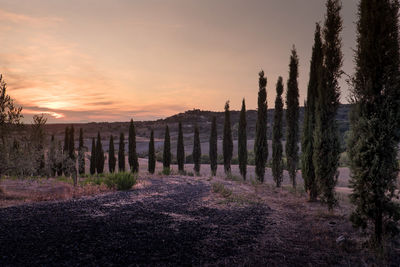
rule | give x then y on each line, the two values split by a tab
178	219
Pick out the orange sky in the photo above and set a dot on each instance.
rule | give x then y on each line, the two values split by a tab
100	60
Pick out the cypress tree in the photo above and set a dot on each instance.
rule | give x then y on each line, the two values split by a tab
196	150
292	117
111	155
326	139
66	140
180	153
99	155
261	144
81	153
277	149
213	150
374	138
227	142
167	150
51	158
93	158
132	155
59	159
121	153
307	141
71	143
66	152
242	141
152	154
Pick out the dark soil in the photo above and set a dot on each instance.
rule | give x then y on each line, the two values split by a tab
172	221
125	228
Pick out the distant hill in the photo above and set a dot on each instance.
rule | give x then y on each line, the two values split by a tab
188	119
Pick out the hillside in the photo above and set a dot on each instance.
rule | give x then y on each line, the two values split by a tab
188	119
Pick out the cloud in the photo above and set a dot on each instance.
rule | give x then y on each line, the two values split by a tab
18	18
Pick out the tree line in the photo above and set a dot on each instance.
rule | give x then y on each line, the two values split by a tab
372	142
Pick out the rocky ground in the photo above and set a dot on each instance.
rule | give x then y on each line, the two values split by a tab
180	221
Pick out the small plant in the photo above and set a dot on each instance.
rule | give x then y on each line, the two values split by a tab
190	174
166	171
221	189
121	180
232	177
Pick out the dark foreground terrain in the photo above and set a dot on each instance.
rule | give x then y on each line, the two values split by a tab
168	221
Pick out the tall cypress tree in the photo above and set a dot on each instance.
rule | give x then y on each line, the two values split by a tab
292	117
93	158
71	143
277	149
121	153
196	150
374	138
180	152
132	155
152	154
66	141
65	152
242	141
81	153
326	139
99	155
51	158
213	150
111	155
260	144
167	150
227	142
307	140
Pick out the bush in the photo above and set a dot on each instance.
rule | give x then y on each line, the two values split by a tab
121	180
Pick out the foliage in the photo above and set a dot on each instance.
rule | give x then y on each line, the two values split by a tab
111	155
374	137
326	139
242	141
99	155
221	189
167	150
260	143
121	153
227	142
132	155
81	153
121	180
277	150
152	156
213	151
93	158
292	117
196	151
180	151
307	141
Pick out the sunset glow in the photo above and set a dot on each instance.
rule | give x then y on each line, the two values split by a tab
82	61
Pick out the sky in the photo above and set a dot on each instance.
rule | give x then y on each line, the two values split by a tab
112	60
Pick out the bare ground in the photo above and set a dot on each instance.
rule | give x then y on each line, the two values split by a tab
181	221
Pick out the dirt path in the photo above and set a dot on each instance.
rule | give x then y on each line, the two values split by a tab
168	221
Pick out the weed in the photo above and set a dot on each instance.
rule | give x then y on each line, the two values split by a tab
221	189
166	171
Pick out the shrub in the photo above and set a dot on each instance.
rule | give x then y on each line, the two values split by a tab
121	180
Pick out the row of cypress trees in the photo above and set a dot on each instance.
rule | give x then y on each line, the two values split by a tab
374	136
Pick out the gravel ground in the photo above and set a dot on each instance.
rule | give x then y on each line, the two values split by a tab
164	223
175	221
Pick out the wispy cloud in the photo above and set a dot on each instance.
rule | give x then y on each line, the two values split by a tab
19	18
